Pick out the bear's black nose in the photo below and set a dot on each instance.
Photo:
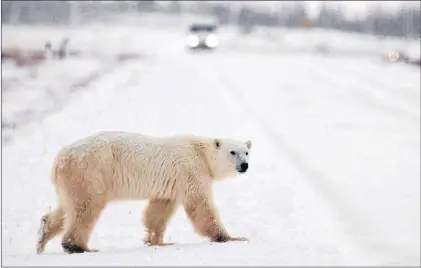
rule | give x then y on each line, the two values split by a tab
244	167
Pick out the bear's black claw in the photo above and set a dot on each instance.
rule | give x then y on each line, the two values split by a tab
221	239
71	248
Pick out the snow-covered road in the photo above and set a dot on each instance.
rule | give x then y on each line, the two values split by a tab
335	164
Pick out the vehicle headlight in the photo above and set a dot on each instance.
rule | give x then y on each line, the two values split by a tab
212	40
192	40
394	55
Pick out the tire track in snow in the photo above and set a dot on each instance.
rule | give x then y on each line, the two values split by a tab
313	176
351	224
366	90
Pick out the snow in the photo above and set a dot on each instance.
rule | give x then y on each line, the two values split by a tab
355	44
335	163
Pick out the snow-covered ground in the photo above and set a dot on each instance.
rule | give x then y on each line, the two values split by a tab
47	87
338	42
335	164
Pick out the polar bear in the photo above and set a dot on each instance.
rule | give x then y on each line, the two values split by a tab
168	171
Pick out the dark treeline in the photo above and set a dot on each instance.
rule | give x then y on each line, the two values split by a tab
404	22
401	23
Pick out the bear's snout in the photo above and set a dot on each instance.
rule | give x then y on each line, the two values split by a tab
243	167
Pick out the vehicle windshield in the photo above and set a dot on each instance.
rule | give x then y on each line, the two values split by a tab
202	28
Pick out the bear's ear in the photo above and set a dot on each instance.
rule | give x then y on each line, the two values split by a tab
248	144
217	143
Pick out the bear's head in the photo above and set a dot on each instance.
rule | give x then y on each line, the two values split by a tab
229	158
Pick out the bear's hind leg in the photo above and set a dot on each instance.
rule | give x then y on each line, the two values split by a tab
82	220
51	225
156	216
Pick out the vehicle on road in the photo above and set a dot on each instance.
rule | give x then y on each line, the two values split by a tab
202	36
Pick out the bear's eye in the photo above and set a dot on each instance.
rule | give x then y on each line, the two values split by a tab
247	153
232	152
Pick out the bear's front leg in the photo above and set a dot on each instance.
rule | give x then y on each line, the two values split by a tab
202	212
156	216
